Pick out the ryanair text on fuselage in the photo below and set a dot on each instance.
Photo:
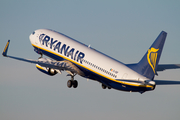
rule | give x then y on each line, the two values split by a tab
61	48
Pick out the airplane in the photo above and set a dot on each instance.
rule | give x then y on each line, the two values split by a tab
67	54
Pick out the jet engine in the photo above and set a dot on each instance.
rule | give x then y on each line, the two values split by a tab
52	71
48	71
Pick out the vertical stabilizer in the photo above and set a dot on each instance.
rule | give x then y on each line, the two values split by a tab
147	66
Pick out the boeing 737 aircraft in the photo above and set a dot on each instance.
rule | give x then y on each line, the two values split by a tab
67	54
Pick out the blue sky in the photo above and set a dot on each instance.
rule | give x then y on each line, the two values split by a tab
121	29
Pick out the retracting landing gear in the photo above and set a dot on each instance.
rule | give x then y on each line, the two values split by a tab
104	86
40	56
72	82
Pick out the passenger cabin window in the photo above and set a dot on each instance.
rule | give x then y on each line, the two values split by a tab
99	68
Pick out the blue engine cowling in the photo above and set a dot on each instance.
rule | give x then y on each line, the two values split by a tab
48	71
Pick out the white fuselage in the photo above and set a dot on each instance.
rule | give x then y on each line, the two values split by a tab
82	55
55	43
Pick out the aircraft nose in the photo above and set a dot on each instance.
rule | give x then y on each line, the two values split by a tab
31	37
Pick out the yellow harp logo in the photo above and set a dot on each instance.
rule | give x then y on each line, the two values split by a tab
152	57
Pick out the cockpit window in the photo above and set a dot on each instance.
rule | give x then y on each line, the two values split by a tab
33	33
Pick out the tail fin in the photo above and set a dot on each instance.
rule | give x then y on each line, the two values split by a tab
147	66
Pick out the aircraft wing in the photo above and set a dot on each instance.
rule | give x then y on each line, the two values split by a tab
162	67
44	62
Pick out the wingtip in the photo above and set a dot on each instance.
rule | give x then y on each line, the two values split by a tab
6	49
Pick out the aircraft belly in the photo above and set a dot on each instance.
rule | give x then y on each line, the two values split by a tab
113	84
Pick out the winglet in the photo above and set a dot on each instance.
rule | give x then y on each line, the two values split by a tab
6	49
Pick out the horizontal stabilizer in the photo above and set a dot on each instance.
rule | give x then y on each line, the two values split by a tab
166	82
163	67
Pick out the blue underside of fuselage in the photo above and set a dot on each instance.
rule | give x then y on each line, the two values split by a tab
91	75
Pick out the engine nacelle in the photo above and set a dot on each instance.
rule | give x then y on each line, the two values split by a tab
52	71
48	71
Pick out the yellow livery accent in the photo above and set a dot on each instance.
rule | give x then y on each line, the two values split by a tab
6	46
152	57
38	66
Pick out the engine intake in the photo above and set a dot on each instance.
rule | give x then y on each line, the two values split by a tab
52	71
